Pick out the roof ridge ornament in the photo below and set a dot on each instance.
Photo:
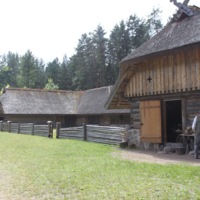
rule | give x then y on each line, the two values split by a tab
183	7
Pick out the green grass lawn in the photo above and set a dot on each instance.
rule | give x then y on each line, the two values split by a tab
33	167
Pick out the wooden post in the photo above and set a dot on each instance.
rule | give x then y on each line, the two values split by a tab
33	129
58	125
183	111
164	124
50	128
0	125
18	130
9	126
84	132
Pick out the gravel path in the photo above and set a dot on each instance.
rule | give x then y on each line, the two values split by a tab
157	157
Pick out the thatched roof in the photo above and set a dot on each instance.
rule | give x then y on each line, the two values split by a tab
174	35
56	102
35	101
93	102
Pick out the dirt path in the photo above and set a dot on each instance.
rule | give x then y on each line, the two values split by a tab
157	158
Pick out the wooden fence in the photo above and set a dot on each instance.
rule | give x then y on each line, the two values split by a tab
93	133
105	134
72	132
27	128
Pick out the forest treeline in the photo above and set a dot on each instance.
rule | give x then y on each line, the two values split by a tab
94	64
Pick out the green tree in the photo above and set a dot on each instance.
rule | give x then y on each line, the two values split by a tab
100	48
12	62
119	46
5	77
138	32
95	63
52	70
89	63
154	23
28	72
40	71
126	37
84	64
51	85
72	68
65	79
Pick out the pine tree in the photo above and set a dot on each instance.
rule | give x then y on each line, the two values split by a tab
27	71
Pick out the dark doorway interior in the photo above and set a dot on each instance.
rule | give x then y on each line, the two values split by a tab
173	119
70	121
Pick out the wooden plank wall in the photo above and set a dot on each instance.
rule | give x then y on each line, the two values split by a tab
171	73
192	107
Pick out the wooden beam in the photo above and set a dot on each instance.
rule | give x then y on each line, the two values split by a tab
184	114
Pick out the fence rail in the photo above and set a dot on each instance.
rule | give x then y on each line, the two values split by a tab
4	126
93	133
41	130
27	128
105	134
14	128
73	132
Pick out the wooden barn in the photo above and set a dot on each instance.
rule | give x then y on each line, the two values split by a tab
71	108
39	106
160	80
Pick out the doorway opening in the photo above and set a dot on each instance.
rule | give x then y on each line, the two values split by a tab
173	120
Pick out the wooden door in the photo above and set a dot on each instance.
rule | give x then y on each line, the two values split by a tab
151	130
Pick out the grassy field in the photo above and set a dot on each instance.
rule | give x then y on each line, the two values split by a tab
33	167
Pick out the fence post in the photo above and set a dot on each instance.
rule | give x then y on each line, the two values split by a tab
58	125
18	129
9	126
32	128
84	132
1	126
50	128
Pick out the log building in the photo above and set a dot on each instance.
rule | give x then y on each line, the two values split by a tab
71	108
160	80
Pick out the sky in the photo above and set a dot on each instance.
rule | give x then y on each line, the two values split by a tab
52	28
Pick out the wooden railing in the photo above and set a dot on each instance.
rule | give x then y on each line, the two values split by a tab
72	132
105	134
93	133
27	128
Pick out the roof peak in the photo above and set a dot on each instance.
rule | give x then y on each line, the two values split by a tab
183	9
56	91
38	90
